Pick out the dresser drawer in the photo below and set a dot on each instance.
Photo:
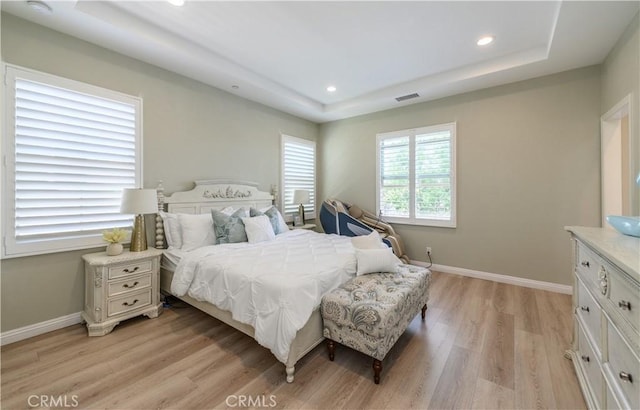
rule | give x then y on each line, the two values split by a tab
130	301
133	284
587	263
591	314
625	367
128	269
589	364
625	296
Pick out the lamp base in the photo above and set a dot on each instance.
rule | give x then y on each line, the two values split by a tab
138	235
301	214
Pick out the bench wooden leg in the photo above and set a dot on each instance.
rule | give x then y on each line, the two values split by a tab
331	346
377	368
424	311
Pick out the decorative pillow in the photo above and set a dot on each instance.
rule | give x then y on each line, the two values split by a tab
171	229
375	260
229	228
196	230
371	241
258	229
276	219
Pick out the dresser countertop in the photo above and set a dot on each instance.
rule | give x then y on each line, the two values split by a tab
621	250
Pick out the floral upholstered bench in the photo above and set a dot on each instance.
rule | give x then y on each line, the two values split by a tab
370	312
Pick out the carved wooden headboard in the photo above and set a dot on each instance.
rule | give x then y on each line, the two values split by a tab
207	195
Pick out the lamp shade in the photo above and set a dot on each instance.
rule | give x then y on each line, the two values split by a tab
139	201
300	196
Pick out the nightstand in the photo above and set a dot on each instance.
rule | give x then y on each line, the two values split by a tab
120	287
310	227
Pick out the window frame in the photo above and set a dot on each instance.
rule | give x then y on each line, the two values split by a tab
412	219
11	247
289	216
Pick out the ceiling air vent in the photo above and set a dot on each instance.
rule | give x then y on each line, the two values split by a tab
407	97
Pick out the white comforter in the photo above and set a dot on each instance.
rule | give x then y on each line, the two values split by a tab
273	286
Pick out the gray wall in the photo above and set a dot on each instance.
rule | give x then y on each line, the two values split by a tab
528	164
191	131
621	77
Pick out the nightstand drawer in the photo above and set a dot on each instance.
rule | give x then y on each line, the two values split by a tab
591	314
129	285
129	302
625	367
625	296
589	363
130	269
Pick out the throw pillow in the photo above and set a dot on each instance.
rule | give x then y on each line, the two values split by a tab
258	229
229	228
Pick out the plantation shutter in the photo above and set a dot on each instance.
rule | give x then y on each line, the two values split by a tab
298	172
394	176
74	153
433	175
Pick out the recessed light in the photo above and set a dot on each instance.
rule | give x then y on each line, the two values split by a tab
235	86
485	40
177	3
40	6
331	89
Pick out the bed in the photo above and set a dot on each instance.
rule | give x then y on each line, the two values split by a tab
220	194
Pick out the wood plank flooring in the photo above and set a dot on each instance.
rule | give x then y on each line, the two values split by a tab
484	345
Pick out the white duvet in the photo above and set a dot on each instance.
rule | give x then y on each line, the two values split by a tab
273	286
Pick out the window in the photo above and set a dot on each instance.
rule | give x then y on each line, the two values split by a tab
298	172
69	151
416	176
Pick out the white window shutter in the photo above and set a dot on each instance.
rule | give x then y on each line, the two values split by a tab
73	154
298	172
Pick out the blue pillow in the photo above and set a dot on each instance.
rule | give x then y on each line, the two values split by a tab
274	217
229	228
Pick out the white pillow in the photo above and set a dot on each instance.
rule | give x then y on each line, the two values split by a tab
371	241
258	229
171	229
282	225
197	231
375	260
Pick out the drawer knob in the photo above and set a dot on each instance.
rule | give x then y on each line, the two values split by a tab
126	285
585	358
584	308
626	377
130	304
126	270
624	305
585	264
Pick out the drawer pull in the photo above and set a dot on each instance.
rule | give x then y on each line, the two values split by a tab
626	377
130	304
624	305
126	285
584	308
585	358
585	264
126	270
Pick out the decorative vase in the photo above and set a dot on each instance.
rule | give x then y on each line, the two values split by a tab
114	249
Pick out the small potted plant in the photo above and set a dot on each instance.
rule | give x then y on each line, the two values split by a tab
114	237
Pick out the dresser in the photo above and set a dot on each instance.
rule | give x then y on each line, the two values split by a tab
120	287
606	301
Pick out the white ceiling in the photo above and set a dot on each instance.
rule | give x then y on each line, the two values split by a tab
285	54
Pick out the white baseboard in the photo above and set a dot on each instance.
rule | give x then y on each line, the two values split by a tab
495	277
26	332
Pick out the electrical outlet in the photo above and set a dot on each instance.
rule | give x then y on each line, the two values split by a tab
428	249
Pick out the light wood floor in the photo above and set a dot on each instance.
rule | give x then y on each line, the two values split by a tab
484	345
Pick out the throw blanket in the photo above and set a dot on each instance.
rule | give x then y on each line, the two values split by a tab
273	286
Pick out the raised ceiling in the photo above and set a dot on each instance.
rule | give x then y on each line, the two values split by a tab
286	54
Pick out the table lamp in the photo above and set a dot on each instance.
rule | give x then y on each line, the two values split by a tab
139	202
301	196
